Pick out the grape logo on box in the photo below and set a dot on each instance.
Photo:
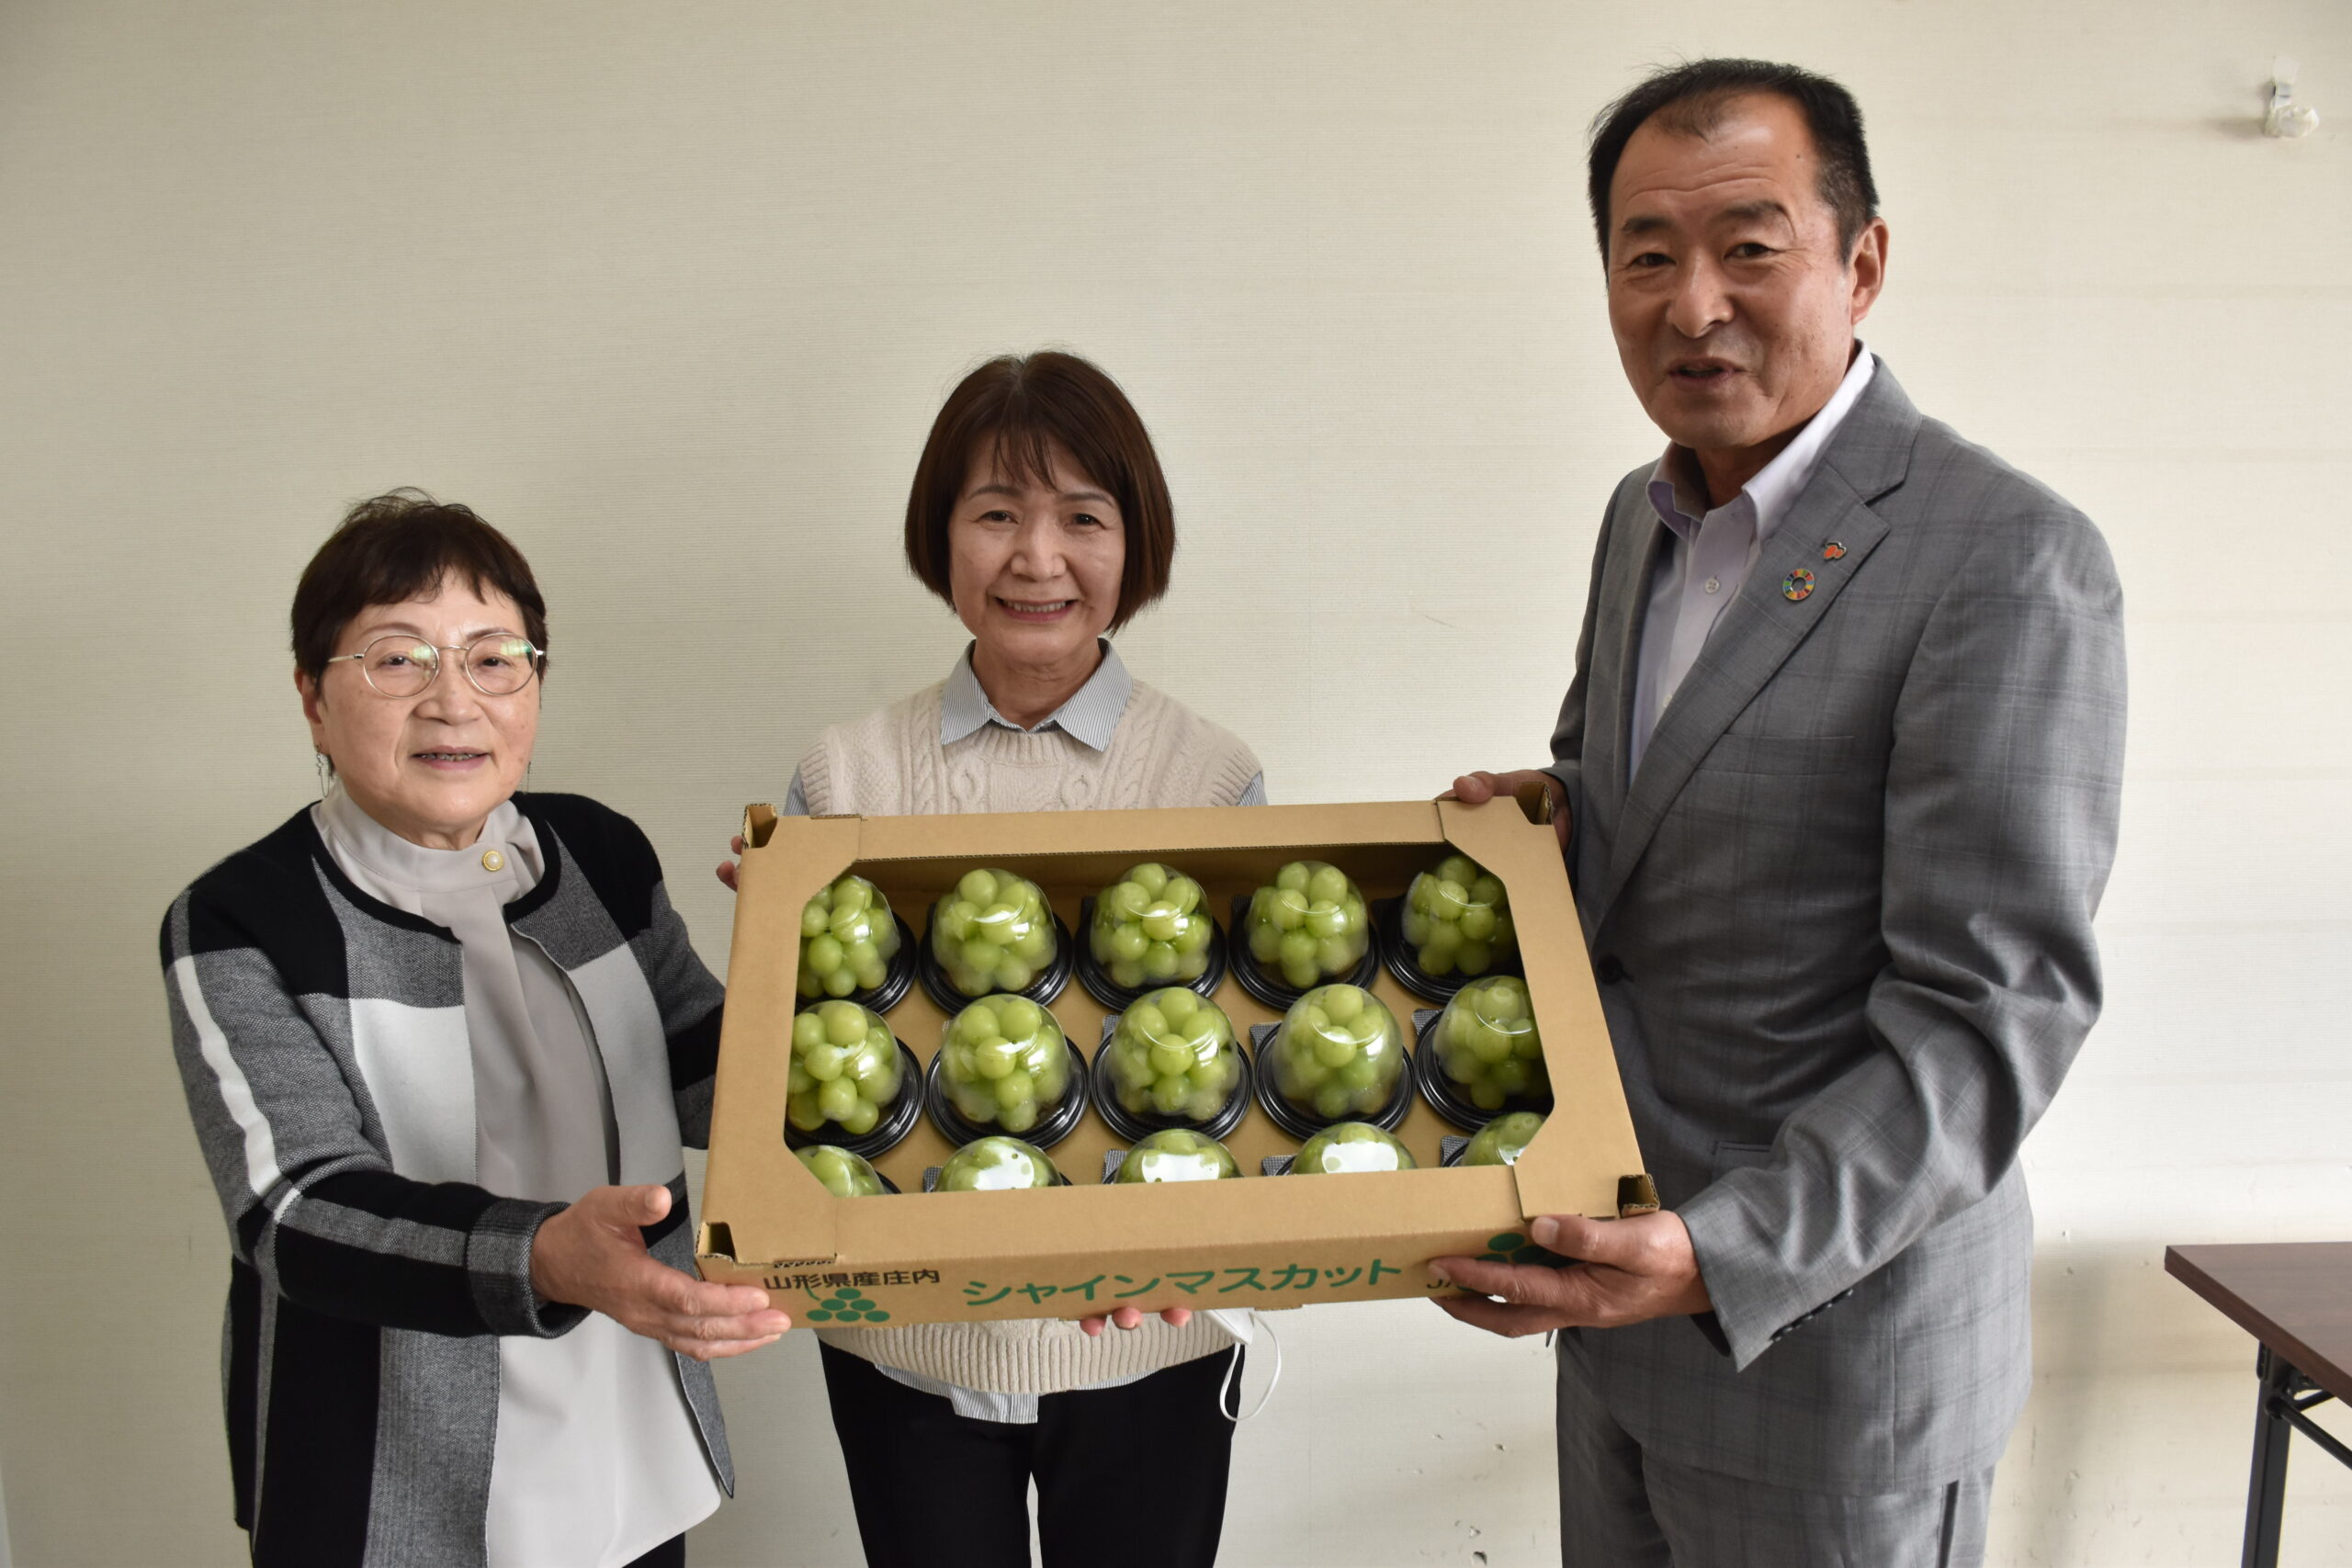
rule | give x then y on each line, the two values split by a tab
846	1306
1512	1247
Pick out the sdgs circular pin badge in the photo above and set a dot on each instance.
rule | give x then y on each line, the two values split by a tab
1796	585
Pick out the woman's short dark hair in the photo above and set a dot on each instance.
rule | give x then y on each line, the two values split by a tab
394	548
1019	408
1693	98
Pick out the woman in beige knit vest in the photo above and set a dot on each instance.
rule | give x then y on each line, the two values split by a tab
1039	512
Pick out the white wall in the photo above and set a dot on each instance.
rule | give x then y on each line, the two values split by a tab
671	292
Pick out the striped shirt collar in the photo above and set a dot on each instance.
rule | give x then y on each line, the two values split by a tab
1090	716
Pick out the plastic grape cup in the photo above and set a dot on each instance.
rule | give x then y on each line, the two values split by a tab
1502	1140
1176	1155
846	1175
1308	925
1173	1055
1150	928
847	939
1487	1043
996	1164
845	1069
1337	1054
992	933
1456	919
1006	1062
1351	1146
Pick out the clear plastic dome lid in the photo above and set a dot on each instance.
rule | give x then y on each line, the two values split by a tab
847	939
1173	1055
1487	1042
1150	928
1308	925
846	1175
845	1068
994	933
1005	1062
1502	1140
1338	1053
1351	1146
996	1165
1457	920
1176	1155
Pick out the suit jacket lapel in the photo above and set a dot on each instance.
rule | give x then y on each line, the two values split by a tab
1865	459
1633	562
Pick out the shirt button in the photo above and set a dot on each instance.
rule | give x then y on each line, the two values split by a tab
493	860
1713	584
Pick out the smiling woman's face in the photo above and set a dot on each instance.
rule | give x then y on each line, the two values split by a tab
1035	567
433	766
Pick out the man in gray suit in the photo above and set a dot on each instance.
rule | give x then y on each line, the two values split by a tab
1837	780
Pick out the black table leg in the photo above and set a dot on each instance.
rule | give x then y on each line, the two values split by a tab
2267	1491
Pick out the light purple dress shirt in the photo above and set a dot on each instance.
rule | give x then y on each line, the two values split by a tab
1700	571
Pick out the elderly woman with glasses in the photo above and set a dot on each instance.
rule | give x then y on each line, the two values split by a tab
441	1042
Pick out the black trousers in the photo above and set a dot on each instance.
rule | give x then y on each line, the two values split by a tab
671	1553
1134	1475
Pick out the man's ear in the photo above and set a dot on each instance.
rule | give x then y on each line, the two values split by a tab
1867	268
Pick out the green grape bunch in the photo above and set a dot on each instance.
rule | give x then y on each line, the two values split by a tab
845	1068
1487	1042
1176	1155
1006	1062
1173	1055
1150	928
1337	1052
846	1175
847	939
1351	1146
1503	1140
1308	926
996	1164
1457	920
992	933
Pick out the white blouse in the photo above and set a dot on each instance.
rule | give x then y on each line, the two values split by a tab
598	1459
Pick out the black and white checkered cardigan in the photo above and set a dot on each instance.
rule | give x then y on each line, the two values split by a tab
320	1035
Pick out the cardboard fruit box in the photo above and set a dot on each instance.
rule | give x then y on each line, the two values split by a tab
1082	1250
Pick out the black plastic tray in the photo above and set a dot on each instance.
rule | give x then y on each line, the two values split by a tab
1042	990
1283	1114
1439	1091
1388	919
889	1132
1131	1125
1050	1130
897	978
1118	997
1271	989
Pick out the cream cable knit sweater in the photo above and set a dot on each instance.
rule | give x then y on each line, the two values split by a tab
890	763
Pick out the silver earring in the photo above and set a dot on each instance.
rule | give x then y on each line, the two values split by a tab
325	770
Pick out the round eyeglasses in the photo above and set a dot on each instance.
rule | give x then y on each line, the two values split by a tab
498	665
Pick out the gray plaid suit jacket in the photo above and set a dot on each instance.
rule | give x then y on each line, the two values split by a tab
1841	922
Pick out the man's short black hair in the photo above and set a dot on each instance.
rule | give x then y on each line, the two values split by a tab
1693	98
